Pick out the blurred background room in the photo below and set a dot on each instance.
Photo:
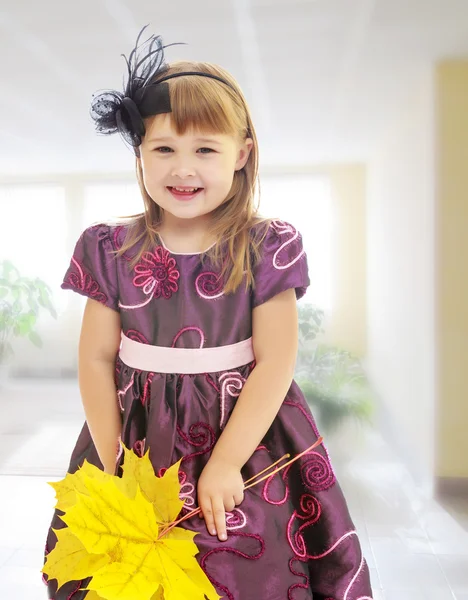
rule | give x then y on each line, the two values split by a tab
361	108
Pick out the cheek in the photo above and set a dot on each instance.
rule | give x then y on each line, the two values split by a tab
154	175
220	175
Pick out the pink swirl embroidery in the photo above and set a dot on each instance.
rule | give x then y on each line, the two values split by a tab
266	494
344	537
316	473
236	519
298	586
197	329
311	510
209	285
283	228
200	434
136	336
235	552
84	282
187	491
232	384
156	275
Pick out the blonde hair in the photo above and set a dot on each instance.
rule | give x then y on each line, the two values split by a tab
208	105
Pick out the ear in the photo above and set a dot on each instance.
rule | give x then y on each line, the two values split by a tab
244	153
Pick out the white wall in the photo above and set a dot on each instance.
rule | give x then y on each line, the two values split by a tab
400	230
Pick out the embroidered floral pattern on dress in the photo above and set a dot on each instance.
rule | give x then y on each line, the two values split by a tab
157	275
209	285
84	282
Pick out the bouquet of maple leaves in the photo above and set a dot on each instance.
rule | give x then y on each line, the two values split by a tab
123	533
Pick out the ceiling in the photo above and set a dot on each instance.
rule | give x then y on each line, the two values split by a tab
324	78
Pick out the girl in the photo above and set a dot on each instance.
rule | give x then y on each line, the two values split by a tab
189	341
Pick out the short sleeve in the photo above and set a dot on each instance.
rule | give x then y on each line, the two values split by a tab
93	270
283	264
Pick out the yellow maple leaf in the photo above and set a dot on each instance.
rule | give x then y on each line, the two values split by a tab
116	535
76	564
158	490
92	595
66	489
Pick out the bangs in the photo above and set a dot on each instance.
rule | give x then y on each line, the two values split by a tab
202	104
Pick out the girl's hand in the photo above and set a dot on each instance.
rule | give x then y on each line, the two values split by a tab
220	490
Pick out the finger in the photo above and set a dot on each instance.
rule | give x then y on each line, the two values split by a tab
229	505
219	515
239	498
207	513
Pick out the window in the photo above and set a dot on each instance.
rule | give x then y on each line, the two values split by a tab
104	201
33	233
305	201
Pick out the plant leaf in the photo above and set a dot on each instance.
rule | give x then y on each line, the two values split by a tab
161	491
66	489
35	339
107	517
69	560
113	517
122	582
92	595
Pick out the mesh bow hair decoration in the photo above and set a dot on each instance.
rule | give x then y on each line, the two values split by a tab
146	92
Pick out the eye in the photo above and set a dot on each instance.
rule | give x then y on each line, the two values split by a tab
209	150
162	149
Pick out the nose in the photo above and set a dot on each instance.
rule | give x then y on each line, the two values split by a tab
183	170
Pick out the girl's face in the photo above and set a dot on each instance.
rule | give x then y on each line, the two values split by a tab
173	165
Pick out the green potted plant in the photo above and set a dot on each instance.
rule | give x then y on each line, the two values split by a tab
21	301
332	379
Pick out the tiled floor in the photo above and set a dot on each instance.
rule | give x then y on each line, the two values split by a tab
415	548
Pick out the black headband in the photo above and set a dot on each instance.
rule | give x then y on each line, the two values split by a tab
145	93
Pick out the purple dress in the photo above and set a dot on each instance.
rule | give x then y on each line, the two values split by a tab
292	538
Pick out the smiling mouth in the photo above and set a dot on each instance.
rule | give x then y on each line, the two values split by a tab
184	193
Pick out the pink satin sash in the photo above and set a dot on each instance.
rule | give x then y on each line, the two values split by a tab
160	359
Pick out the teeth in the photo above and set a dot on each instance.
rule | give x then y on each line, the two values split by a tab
186	189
